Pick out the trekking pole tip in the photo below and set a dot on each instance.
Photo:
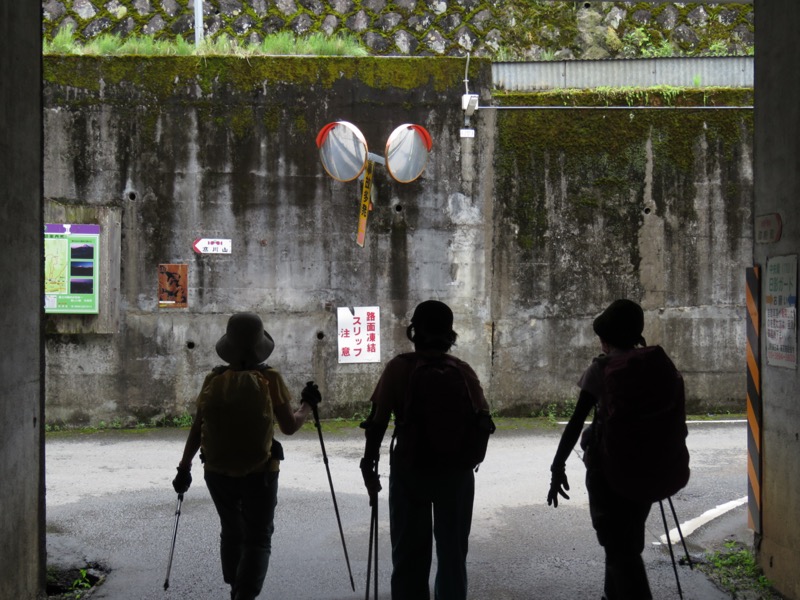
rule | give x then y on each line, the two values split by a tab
166	585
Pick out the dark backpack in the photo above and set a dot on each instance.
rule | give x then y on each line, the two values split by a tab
641	422
238	422
441	426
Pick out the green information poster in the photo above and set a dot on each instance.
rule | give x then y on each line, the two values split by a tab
71	268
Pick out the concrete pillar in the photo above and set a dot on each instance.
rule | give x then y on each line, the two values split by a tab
777	190
22	520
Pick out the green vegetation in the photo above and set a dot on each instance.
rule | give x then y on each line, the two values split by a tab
72	583
554	412
283	43
637	42
734	569
183	420
547	417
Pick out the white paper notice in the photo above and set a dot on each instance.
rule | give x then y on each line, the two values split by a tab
359	334
781	311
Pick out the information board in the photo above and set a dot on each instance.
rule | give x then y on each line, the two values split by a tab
71	268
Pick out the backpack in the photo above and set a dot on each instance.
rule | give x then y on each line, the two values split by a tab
441	426
238	422
642	425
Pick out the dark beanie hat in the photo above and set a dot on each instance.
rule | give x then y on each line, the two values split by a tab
621	324
433	316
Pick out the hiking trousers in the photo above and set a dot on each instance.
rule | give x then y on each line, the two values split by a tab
619	523
246	509
425	506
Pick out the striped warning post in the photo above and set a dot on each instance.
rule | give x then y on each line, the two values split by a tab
754	414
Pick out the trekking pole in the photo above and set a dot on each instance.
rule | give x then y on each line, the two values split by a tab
369	552
669	545
333	494
373	544
680	533
376	543
174	537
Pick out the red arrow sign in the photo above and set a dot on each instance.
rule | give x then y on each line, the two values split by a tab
211	246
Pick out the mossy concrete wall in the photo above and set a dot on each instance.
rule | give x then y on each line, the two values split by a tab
182	149
593	205
526	230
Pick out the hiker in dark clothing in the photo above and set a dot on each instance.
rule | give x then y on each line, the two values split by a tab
618	521
236	411
427	499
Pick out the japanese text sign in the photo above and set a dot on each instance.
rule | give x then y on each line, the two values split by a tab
211	246
359	334
781	311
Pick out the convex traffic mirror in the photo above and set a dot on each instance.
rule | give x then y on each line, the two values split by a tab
344	153
345	156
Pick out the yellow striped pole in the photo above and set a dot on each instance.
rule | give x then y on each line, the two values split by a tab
366	204
754	412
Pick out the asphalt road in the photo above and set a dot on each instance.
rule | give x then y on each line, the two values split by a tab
109	500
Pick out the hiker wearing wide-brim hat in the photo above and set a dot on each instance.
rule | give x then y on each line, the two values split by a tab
237	408
428	390
246	342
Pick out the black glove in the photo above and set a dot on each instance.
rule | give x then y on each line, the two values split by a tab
310	394
182	480
558	483
369	471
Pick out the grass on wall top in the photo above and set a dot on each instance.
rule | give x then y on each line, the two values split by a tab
281	44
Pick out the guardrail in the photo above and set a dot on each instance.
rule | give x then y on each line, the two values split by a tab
723	71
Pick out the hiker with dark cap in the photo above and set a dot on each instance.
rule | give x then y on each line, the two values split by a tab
442	426
618	506
237	408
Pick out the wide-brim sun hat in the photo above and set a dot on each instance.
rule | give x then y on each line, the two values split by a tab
245	340
621	324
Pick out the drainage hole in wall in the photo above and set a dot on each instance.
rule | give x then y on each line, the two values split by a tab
320	335
647	211
398	208
190	345
131	195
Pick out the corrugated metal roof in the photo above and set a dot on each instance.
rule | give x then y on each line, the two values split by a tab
723	71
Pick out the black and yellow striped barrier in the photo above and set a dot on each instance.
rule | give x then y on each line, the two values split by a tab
754	412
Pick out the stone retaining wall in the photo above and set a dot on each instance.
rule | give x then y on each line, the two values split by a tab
521	29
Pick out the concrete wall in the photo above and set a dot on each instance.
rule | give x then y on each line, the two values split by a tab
777	164
22	363
596	205
188	148
525	240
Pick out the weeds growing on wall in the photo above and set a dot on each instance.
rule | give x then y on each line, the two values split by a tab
282	43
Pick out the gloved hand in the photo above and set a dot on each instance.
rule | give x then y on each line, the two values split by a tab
182	480
369	471
558	483
310	394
